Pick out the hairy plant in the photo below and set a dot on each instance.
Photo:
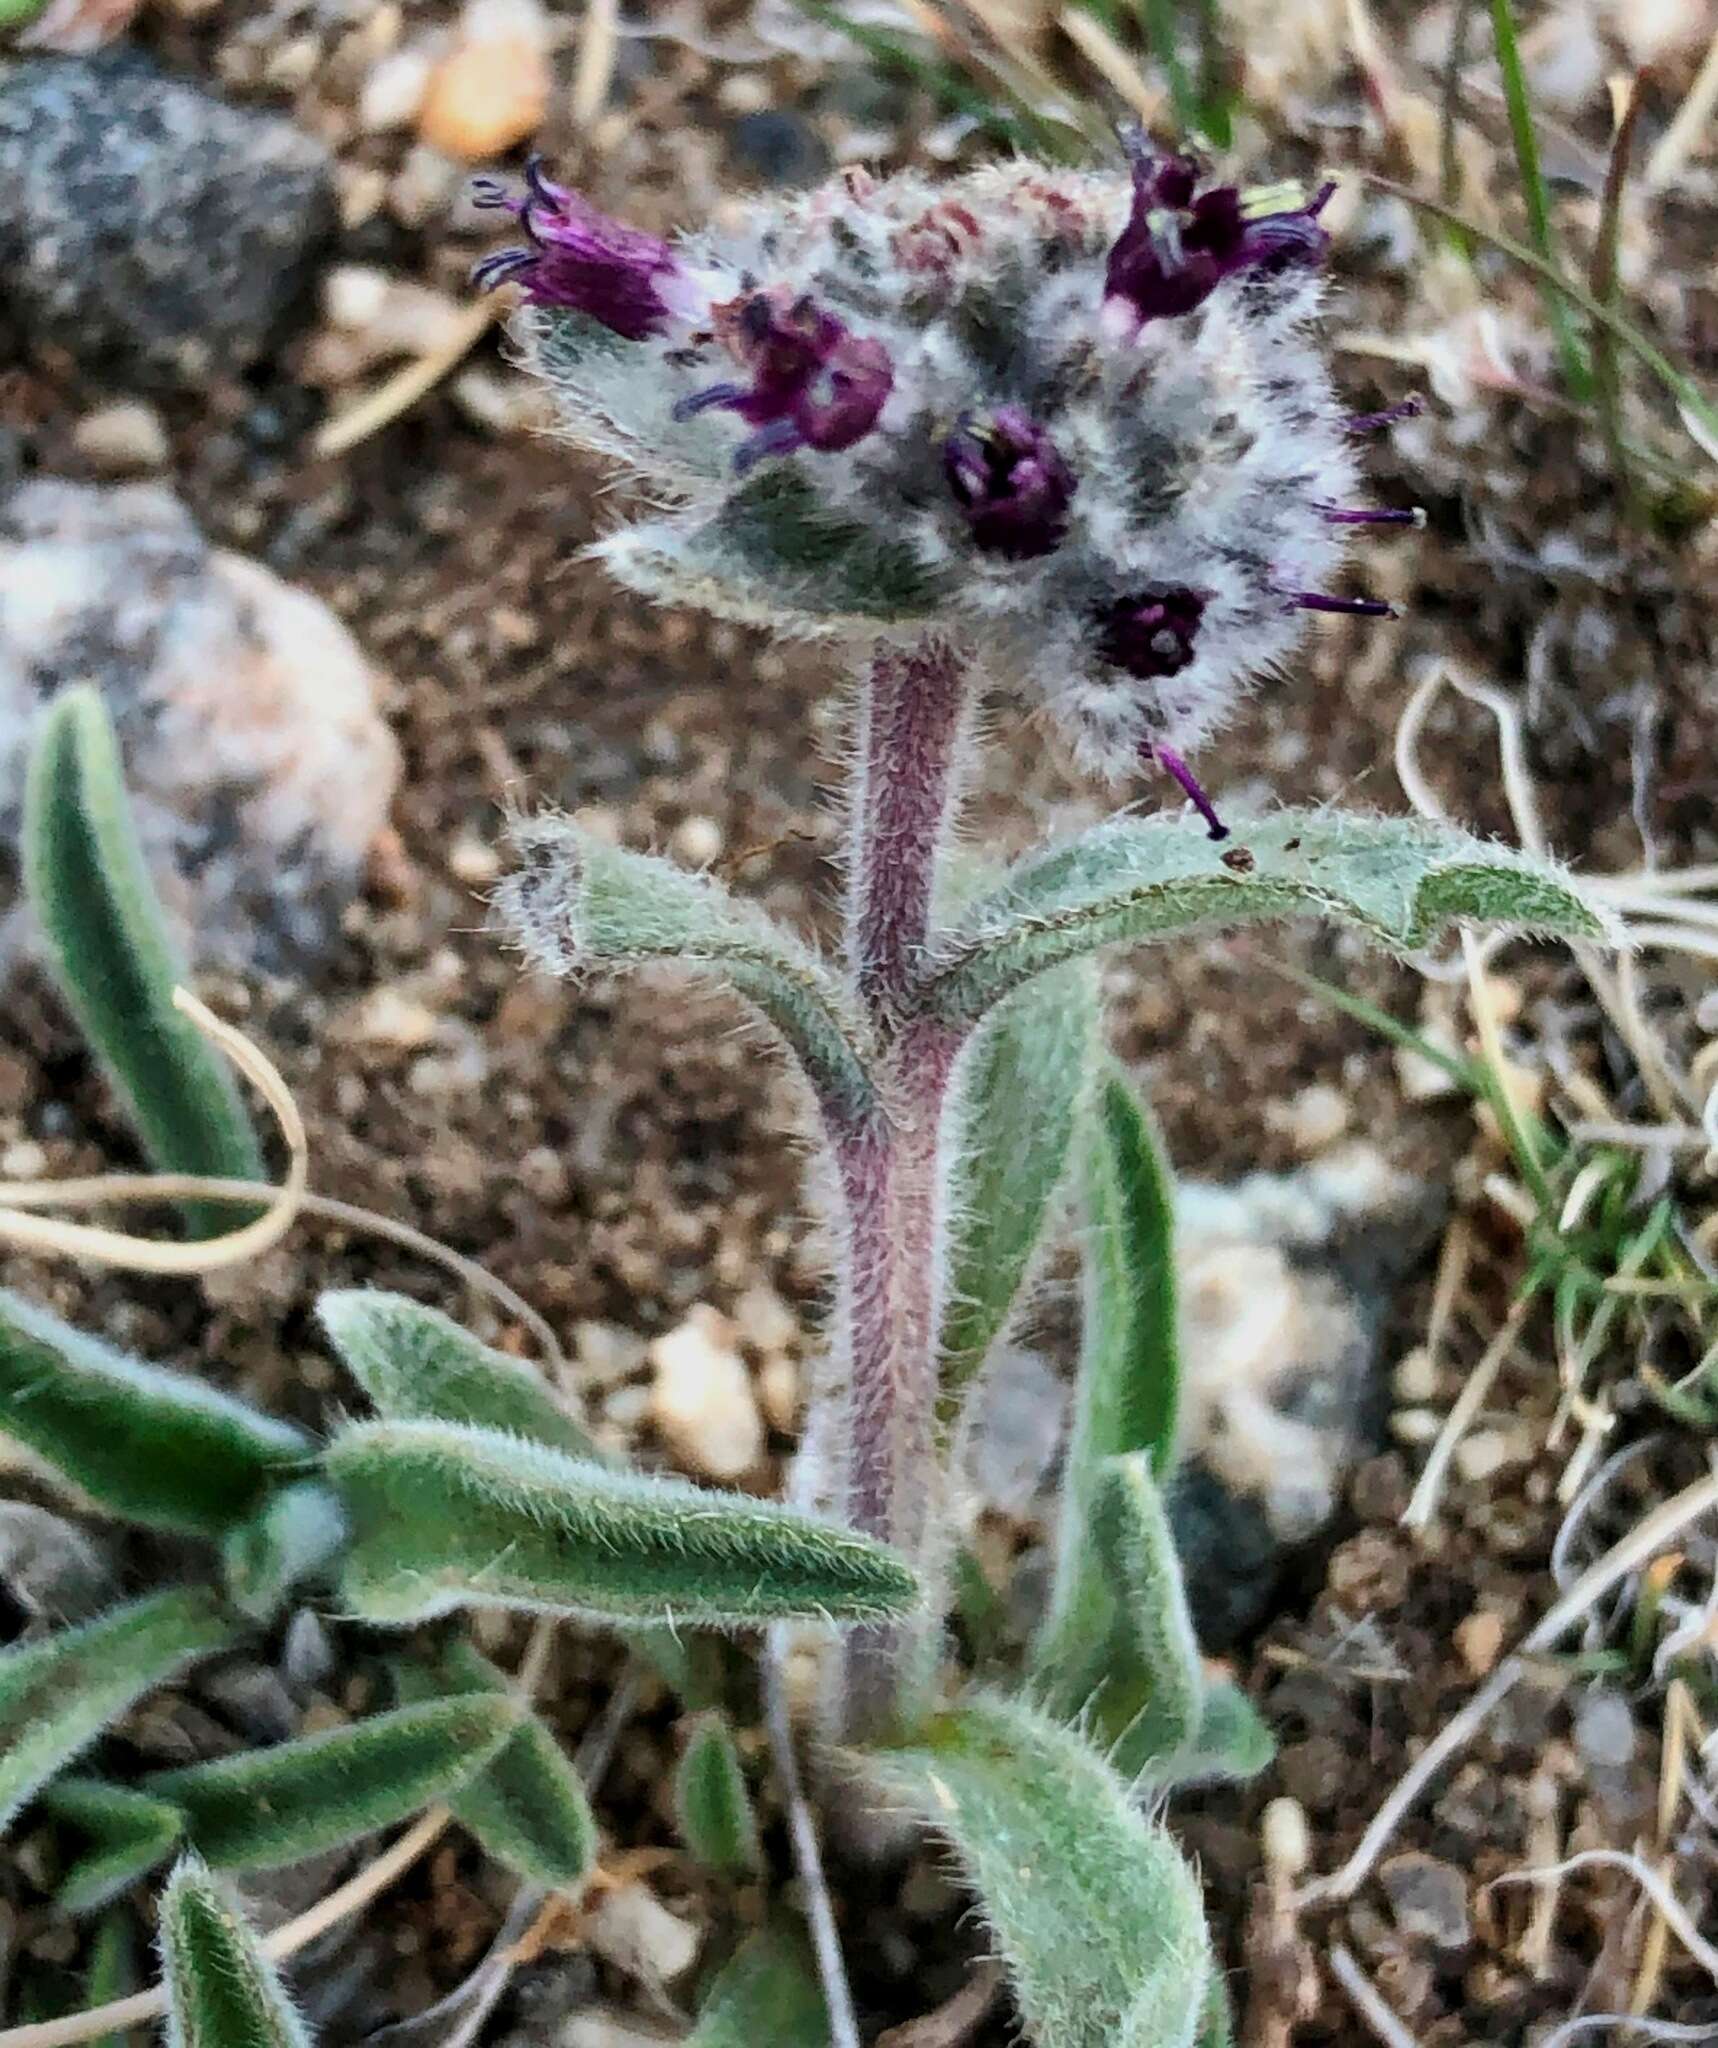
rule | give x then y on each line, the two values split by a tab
1066	437
1068	440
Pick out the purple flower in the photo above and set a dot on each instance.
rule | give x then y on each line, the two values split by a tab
1179	243
1010	482
580	258
814	384
1152	635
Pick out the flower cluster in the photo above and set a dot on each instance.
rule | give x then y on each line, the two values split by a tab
1079	420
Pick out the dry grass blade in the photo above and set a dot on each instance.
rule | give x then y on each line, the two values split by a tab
1366	2000
1657	1888
1465	1407
1607	372
129	1254
1112	63
1676	144
400	392
1649	1536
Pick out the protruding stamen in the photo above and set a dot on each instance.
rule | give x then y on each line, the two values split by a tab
1376	422
1358	607
1173	764
1373	515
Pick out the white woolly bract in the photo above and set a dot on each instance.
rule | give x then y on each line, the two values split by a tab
1205	447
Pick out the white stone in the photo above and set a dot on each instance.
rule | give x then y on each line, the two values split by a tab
1316	1117
126	439
394	91
702	1399
697	841
634	1930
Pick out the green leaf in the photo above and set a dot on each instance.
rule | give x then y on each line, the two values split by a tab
1232	1740
766	1996
416	1363
771	554
222	1990
112	1971
294	1537
527	1808
1217	2030
268	1807
154	1447
577	905
126	1833
1096	1915
1400	880
1127	1393
1021	1086
445	1517
712	1807
57	1696
86	879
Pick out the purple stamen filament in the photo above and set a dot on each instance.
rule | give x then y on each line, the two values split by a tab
1373	515
1171	762
1375	422
1357	607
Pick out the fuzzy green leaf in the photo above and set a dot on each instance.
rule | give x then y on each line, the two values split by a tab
86	879
766	1996
293	1538
445	1517
1217	2030
577	905
1095	1913
222	1990
267	1807
416	1363
1021	1087
770	553
154	1447
125	1834
57	1696
527	1808
712	1808
1232	1740
1401	880
1127	1393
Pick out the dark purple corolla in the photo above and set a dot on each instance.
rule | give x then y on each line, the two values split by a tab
580	258
814	383
1009	481
1179	243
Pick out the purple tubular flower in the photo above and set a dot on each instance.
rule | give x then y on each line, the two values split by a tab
1009	481
814	384
1152	635
1179	244
580	258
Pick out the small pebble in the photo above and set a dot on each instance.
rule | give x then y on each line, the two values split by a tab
1316	1117
607	1353
1605	1732
385	1017
762	1318
491	91
702	1399
1428	1898
697	841
24	1160
393	93
1479	1641
49	1566
473	861
1415	1380
1484	1453
126	439
778	1392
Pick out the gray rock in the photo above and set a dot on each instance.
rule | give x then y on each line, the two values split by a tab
259	765
156	232
49	1566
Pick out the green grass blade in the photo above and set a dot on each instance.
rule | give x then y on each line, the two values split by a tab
1534	193
86	879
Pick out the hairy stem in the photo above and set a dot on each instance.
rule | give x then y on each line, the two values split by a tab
914	710
890	1159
